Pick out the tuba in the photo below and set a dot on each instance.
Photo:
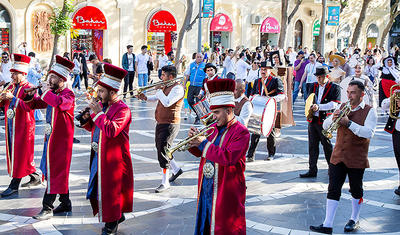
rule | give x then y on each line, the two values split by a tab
394	107
345	110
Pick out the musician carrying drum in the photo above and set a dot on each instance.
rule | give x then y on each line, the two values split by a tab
267	86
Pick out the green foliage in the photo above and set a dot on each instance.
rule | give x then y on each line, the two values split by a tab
60	22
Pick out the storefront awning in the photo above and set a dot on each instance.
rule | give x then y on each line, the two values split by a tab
162	21
221	22
270	25
89	18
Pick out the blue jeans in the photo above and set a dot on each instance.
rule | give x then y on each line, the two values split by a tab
296	90
142	79
77	81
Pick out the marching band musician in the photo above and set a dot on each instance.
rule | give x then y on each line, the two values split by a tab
221	183
168	117
20	128
350	156
243	106
393	127
59	102
327	97
211	72
270	86
110	188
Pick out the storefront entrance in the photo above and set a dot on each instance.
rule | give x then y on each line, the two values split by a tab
87	36
298	34
161	30
220	31
372	35
5	30
269	32
343	37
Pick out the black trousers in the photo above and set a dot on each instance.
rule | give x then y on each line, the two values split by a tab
165	135
49	199
193	91
84	76
396	146
337	176
15	182
128	81
271	144
315	137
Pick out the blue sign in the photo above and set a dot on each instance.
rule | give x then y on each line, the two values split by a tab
208	8
333	15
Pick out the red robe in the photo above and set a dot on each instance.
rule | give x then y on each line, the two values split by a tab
58	152
228	210
20	162
115	170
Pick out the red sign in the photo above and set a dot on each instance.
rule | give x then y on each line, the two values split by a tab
89	18
221	22
270	25
162	21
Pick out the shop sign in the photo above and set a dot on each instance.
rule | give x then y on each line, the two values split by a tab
162	21
208	8
316	28
333	15
89	18
270	25
221	22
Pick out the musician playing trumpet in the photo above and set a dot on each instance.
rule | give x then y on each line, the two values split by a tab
20	128
327	97
168	117
221	182
350	156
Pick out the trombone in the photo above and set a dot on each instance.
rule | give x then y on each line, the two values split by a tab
153	86
394	107
184	144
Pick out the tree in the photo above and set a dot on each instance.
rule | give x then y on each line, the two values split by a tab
286	19
321	37
357	29
60	24
394	12
343	4
187	26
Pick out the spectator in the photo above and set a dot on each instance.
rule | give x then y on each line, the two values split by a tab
128	63
5	75
162	61
95	64
308	75
371	69
141	66
292	56
76	72
242	67
229	63
84	74
299	67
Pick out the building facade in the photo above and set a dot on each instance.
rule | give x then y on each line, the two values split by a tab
106	27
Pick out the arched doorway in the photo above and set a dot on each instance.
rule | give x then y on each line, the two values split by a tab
269	32
372	35
5	29
220	31
298	35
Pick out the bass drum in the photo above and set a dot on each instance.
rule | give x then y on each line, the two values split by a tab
262	119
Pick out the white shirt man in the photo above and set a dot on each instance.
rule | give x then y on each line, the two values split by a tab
142	60
5	74
242	68
162	61
229	64
309	71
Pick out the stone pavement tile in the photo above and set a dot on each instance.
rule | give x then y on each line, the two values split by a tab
26	230
74	229
251	231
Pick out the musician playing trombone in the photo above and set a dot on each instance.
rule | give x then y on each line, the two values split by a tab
350	155
327	97
59	102
168	117
20	128
221	182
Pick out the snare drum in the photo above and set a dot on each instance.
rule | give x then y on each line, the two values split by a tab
262	120
202	108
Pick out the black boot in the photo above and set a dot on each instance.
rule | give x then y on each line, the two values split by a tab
63	208
397	191
12	188
35	180
321	229
110	228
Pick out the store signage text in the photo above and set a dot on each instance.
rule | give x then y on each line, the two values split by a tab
82	20
165	24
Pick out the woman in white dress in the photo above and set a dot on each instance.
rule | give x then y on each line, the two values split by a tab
369	97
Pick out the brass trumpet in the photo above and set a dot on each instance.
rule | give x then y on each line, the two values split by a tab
184	144
6	89
394	107
152	87
345	110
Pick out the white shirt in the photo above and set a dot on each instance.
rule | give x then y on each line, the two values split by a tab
310	70
371	71
142	63
5	74
77	68
369	90
176	93
252	75
131	63
229	64
241	69
245	113
323	107
292	57
162	61
386	106
367	131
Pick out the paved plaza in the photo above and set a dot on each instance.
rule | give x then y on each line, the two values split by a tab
278	201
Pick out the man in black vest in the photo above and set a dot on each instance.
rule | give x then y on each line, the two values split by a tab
327	97
270	86
393	127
